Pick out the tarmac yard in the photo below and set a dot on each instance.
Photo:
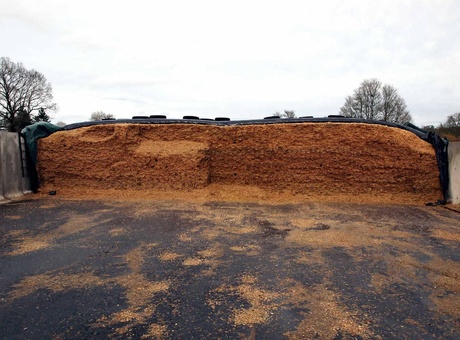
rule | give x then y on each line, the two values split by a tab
95	269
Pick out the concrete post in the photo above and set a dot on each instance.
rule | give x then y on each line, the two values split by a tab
12	182
454	172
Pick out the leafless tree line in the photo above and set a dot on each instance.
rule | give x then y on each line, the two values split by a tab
373	101
449	129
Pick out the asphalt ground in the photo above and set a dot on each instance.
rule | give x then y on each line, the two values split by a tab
76	269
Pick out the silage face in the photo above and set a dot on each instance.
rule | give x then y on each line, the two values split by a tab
364	162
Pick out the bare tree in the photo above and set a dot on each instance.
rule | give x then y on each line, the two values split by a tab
453	121
452	125
394	108
288	114
371	98
22	92
350	108
100	115
374	101
449	129
285	114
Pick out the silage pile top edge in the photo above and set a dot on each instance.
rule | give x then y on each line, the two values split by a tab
419	133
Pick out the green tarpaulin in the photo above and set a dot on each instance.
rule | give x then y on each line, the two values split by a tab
34	132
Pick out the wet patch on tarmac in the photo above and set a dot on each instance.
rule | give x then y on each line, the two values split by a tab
96	269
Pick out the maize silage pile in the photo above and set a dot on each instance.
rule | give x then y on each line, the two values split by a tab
352	161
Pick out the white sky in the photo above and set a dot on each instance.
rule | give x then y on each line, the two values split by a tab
239	59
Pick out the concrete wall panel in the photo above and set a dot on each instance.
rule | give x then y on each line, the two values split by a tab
12	181
454	172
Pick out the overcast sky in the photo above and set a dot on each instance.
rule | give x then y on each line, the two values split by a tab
239	59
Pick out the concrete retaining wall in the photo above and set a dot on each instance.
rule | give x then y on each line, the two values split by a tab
12	182
454	172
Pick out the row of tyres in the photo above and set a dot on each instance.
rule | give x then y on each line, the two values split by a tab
217	119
